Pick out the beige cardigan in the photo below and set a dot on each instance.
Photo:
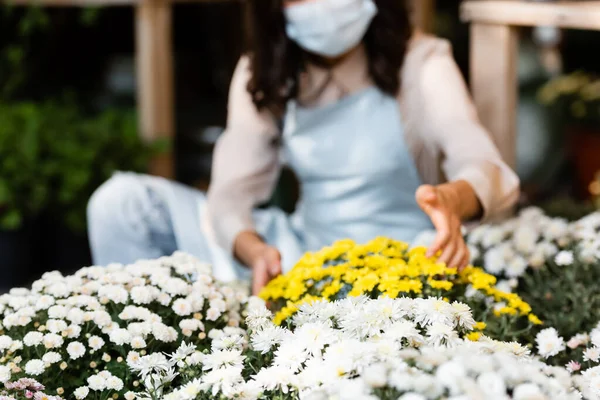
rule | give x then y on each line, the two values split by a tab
441	129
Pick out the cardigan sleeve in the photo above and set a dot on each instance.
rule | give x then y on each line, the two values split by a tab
245	163
466	148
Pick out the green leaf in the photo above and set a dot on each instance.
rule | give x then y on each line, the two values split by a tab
11	220
90	15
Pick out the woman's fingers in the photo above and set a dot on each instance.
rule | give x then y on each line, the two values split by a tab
448	252
426	197
461	255
273	258
260	276
444	229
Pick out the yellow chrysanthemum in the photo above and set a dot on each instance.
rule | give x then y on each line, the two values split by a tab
534	319
480	326
442	285
382	267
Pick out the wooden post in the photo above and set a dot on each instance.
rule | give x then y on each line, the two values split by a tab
494	82
154	64
424	14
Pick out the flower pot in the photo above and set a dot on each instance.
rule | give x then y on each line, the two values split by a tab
17	249
585	155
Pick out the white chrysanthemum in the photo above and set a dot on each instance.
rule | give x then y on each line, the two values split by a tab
44	302
433	310
190	324
537	259
528	391
375	375
33	338
313	337
404	329
113	293
417	396
130	396
525	238
53	341
35	367
143	294
228	342
72	331
493	236
102	318
439	334
75	350
264	340
57	312
463	315
138	342
595	336
549	343
114	383
5	342
120	337
164	333
548	249
132	357
142	329
494	261
516	267
182	307
290	356
5	374
224	358
15	346
274	378
164	299
212	314
591	354
81	392
95	342
96	383
52	357
564	258
218	304
147	364
174	286
75	315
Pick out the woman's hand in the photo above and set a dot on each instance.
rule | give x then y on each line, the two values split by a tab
262	259
444	205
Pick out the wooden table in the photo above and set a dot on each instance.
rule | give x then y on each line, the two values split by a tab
493	70
154	62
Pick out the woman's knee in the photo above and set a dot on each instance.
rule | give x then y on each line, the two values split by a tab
116	200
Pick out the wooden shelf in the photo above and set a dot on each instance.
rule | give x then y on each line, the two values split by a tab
563	14
104	3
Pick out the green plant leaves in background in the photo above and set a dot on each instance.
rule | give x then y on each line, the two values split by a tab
53	157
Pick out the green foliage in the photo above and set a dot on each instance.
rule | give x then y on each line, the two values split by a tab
54	157
575	98
23	190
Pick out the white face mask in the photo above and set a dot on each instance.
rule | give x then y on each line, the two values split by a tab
329	27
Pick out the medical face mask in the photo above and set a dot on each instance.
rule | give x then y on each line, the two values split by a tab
329	28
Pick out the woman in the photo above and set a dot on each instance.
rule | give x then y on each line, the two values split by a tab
376	123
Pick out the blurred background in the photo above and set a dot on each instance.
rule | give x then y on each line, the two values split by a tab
69	116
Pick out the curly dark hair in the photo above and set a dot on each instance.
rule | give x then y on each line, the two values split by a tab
276	61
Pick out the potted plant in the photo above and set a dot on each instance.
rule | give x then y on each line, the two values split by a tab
24	189
575	99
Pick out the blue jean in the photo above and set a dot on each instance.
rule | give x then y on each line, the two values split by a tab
133	217
128	220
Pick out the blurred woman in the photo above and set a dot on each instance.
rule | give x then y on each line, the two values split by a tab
374	119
